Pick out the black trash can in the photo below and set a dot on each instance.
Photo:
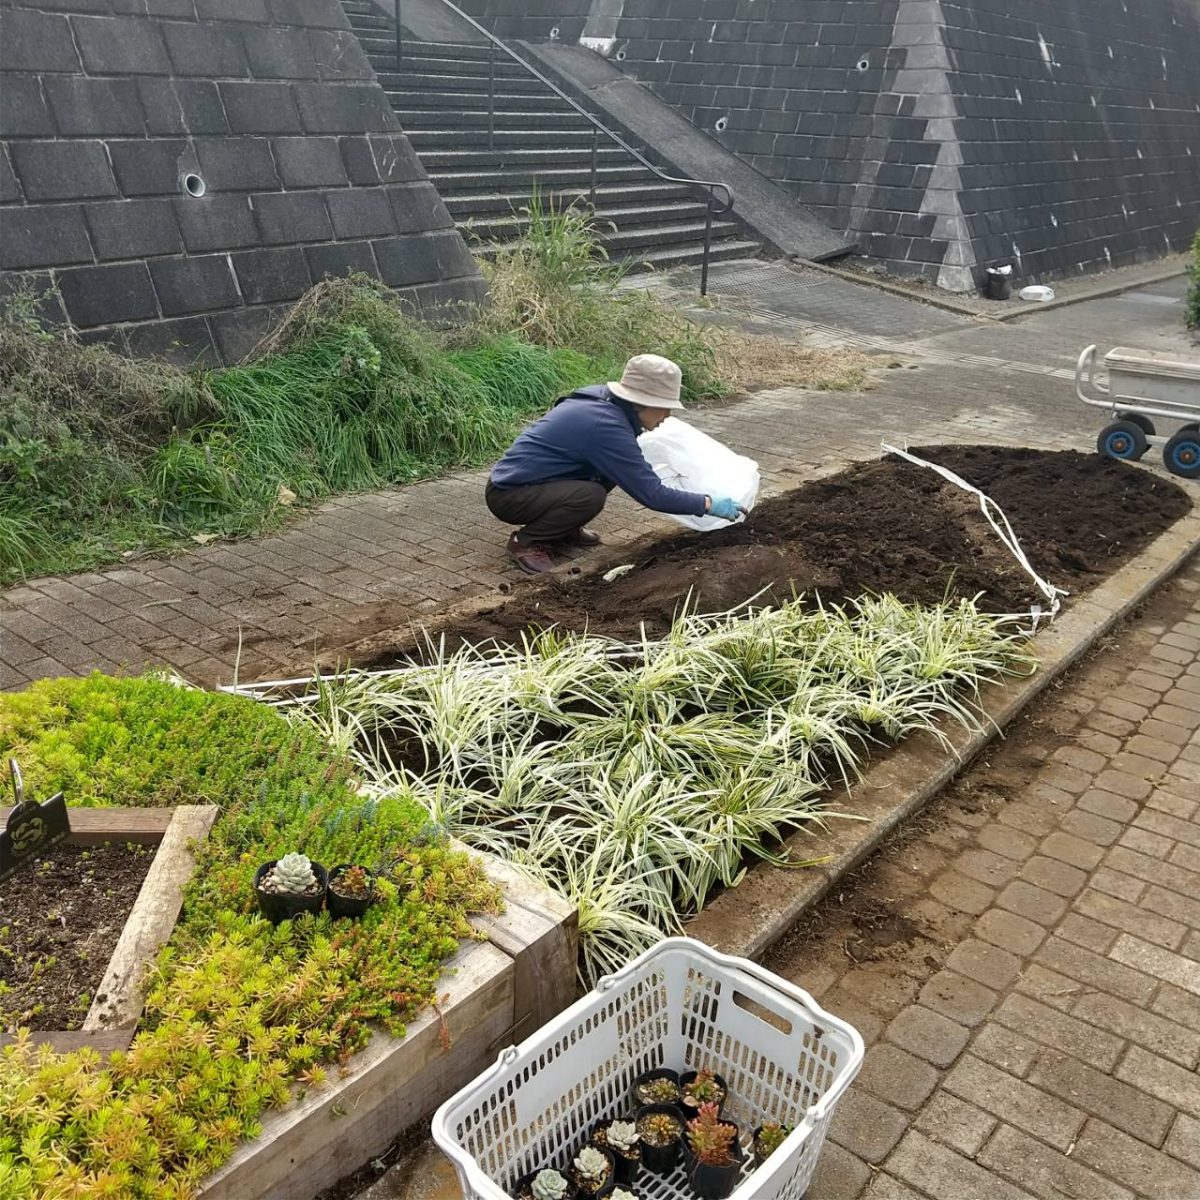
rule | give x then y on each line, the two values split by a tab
998	282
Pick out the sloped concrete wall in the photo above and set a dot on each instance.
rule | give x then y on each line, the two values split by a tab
106	106
1060	135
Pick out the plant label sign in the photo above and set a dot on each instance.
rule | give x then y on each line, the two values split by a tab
31	828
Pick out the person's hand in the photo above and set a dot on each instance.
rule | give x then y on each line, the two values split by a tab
724	507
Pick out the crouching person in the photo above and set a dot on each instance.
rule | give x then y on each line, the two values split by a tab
556	476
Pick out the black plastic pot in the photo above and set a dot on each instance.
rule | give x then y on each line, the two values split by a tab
646	1076
714	1183
660	1159
587	1193
347	906
526	1181
759	1159
627	1169
276	907
997	282
692	1109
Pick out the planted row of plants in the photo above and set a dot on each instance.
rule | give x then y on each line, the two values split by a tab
636	781
240	1010
678	1117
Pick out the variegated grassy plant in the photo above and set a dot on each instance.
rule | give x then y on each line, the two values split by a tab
636	780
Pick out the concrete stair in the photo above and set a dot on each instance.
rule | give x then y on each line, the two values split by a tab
485	170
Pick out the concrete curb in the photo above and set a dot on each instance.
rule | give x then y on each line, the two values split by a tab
1030	308
749	919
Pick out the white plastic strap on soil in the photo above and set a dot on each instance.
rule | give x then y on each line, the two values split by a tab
1004	531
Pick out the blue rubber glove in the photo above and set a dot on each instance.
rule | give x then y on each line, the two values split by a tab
723	507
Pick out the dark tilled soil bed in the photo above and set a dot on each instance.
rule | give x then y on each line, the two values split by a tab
885	526
62	918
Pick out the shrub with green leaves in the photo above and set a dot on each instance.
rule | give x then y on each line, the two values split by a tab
238	1010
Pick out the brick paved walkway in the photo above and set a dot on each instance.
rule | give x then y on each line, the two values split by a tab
1035	1028
389	558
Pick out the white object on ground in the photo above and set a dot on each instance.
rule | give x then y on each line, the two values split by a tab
616	573
784	1057
687	459
999	522
1036	292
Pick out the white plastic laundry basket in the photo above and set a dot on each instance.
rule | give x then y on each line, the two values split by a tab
680	1005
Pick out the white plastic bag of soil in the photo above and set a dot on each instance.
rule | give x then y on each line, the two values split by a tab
687	459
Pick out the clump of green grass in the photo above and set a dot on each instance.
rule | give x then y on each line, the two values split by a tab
557	287
99	453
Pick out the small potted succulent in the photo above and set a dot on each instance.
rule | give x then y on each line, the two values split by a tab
718	1156
617	1192
701	1087
621	1139
288	886
546	1184
592	1170
351	891
768	1137
659	1086
660	1129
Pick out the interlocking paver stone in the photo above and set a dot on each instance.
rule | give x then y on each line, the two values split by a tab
928	1035
1043	1171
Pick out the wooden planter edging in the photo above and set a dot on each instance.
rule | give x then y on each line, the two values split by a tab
498	991
749	919
112	1020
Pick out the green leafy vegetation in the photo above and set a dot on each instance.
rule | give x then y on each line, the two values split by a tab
99	453
239	1011
1192	304
636	783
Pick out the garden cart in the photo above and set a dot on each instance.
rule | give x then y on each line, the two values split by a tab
1143	385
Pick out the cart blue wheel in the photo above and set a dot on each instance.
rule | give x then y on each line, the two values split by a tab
1143	423
1182	453
1124	440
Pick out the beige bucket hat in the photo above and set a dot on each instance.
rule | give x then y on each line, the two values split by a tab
650	381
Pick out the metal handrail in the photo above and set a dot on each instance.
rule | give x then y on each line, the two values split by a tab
710	186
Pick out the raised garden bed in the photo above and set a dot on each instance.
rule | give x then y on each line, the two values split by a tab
496	992
103	904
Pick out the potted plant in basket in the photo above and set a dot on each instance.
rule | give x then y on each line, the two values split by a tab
767	1139
592	1169
351	891
660	1128
701	1087
289	886
659	1086
718	1157
621	1139
546	1184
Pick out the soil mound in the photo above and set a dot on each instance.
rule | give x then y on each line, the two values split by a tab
885	526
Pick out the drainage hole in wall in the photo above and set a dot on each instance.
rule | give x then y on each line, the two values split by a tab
194	185
722	124
862	64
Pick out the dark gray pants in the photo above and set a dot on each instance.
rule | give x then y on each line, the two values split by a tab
548	512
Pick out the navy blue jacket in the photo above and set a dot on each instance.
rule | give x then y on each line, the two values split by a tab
591	434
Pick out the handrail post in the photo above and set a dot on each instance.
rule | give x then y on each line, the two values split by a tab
399	38
492	97
595	165
708	215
